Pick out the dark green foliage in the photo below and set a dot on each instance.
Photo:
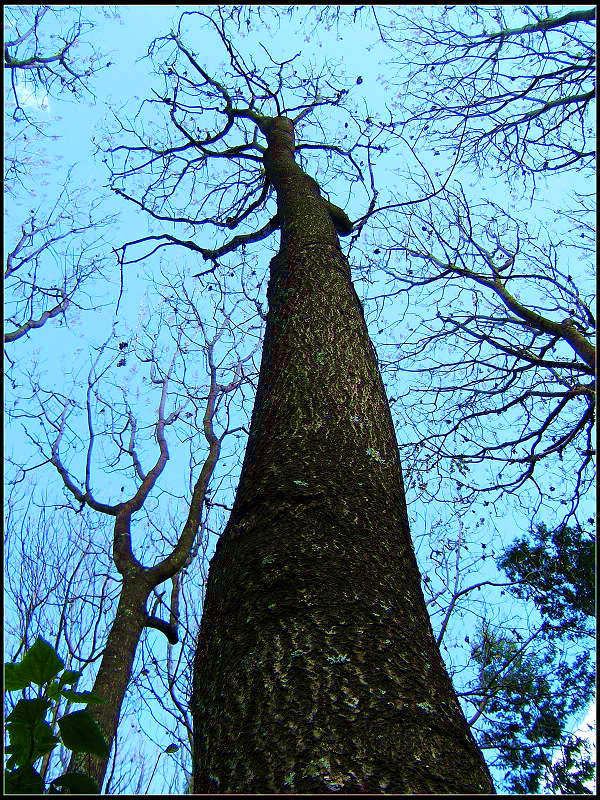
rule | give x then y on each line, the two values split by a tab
529	708
573	770
78	735
74	783
534	692
23	780
558	570
31	736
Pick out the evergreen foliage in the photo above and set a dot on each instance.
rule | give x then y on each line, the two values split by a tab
557	571
530	698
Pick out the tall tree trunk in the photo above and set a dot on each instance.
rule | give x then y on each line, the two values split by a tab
316	668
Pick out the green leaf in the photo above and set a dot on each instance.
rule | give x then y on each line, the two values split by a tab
17	757
15	678
53	690
82	697
40	663
44	740
172	748
68	678
24	780
75	783
29	712
82	734
29	735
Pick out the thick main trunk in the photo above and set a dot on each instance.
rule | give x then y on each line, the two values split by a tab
115	670
316	668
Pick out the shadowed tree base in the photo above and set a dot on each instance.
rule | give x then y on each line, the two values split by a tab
322	673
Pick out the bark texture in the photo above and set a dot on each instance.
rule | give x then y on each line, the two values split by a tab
316	668
114	673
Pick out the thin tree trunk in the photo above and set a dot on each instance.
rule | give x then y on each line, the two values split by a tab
131	618
115	670
316	668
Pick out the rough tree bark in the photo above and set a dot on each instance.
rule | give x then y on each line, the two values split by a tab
114	673
316	668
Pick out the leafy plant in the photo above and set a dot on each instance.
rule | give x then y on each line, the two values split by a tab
31	736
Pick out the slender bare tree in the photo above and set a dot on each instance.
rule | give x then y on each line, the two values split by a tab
47	50
502	358
57	248
112	424
59	253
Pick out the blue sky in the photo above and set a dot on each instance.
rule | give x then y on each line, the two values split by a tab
123	85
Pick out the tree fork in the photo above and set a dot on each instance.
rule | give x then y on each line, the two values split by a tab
316	668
